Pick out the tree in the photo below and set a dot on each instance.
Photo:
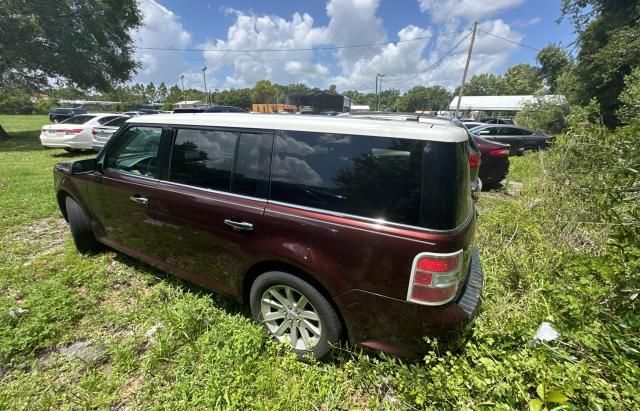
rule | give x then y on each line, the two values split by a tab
87	43
332	89
162	93
263	92
609	41
174	95
150	93
553	60
521	79
484	84
425	98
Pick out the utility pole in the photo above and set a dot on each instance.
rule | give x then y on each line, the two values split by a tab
182	80
380	91
204	78
376	87
466	68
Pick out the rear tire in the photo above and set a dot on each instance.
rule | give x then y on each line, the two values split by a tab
80	226
298	314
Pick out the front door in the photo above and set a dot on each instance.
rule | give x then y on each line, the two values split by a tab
209	208
122	196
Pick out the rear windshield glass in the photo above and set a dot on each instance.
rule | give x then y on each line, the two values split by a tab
412	182
118	122
78	120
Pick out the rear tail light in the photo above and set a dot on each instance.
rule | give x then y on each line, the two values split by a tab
474	160
499	152
435	278
73	131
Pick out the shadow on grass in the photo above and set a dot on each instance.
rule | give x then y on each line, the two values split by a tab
220	300
24	141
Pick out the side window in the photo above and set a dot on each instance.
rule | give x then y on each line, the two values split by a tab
374	177
203	158
135	152
253	160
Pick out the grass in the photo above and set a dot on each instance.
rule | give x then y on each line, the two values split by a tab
166	344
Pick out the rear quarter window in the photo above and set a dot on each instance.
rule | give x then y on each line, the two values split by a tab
373	177
404	181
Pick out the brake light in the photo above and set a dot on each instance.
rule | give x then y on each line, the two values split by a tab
435	278
73	131
499	152
474	160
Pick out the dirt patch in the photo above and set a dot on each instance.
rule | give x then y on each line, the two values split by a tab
42	236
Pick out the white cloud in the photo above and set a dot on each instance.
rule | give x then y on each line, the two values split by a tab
442	10
351	22
251	31
160	28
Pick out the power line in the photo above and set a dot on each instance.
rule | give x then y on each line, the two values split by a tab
300	49
438	61
510	41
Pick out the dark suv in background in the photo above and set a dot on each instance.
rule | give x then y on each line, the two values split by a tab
329	228
57	115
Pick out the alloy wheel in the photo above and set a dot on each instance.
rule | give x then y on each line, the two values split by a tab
290	317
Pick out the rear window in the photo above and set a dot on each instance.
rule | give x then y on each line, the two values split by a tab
412	182
78	119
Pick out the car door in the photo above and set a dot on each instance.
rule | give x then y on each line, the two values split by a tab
513	136
124	191
211	203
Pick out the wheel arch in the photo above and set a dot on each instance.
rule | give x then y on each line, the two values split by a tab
274	265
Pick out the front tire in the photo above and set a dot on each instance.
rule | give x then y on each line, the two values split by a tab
296	313
80	226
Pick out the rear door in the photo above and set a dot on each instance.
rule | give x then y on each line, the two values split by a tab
211	203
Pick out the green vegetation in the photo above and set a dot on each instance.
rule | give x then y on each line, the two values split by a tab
162	343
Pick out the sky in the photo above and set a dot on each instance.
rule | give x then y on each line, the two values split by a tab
412	42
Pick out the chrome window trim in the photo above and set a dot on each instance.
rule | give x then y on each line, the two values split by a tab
379	221
414	267
352	227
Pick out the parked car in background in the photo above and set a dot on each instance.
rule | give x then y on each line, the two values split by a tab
472	123
519	139
494	161
102	134
133	113
148	111
496	121
74	133
57	115
328	228
211	109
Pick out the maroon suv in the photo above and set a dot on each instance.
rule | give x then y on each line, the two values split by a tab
329	228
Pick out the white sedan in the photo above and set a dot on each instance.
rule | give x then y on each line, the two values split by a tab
74	133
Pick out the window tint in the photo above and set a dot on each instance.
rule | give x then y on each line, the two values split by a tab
251	175
118	122
78	119
136	152
372	177
203	158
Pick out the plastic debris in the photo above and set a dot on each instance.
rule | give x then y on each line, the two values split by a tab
545	333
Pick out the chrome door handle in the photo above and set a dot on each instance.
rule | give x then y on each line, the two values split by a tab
140	200
239	225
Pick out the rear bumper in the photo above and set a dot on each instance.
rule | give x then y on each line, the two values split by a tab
78	141
399	327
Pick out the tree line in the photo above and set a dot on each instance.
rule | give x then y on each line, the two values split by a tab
36	51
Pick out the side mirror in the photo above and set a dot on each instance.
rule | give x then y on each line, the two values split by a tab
84	166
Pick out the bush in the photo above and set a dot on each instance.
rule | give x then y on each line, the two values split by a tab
544	115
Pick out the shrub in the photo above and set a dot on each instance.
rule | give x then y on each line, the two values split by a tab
544	115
